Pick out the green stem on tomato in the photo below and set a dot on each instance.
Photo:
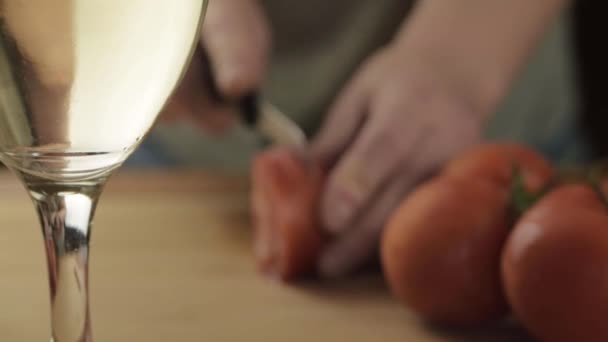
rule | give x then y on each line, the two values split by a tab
592	175
522	198
596	173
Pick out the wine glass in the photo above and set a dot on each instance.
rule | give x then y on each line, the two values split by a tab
81	84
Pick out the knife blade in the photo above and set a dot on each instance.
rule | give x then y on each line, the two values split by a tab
257	113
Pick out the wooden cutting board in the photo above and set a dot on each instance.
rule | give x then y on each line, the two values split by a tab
171	261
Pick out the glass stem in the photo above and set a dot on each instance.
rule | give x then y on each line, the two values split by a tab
66	213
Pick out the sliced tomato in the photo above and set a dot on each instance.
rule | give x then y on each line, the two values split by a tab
285	195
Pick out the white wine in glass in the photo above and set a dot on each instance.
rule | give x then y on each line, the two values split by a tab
81	84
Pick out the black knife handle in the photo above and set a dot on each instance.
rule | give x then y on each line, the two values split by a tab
248	104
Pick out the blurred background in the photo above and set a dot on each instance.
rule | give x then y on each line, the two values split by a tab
561	88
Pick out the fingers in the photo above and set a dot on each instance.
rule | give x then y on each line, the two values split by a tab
365	167
191	101
235	41
236	37
400	125
352	249
343	122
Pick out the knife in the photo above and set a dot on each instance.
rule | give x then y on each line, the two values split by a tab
257	113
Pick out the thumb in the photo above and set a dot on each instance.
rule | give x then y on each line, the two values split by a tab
237	39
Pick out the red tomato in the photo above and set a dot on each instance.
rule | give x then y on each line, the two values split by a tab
555	267
285	195
496	162
441	250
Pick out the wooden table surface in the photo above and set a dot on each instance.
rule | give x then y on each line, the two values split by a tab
171	262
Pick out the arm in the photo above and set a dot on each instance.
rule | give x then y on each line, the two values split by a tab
481	43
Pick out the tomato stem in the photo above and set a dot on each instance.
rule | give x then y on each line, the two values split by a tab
596	173
591	175
521	197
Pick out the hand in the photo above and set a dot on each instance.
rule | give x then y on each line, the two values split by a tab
49	53
236	39
397	121
47	76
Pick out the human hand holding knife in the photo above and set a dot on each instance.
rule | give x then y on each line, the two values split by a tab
257	113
